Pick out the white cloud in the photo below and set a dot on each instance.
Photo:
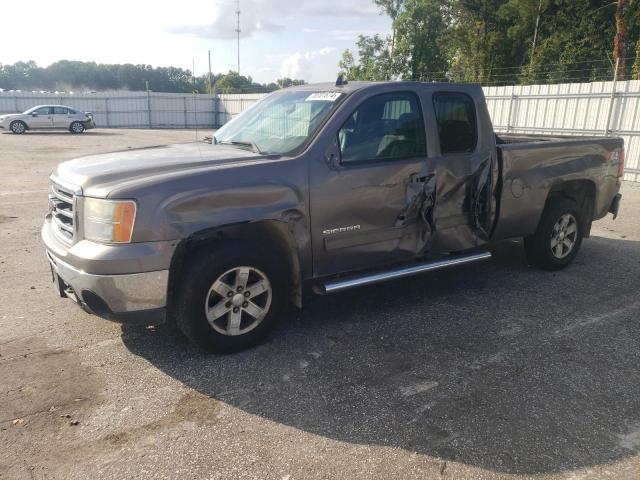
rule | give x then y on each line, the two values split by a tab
272	16
298	65
350	35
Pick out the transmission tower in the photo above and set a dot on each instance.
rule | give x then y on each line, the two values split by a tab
238	31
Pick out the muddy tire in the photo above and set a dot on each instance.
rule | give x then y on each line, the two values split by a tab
18	127
558	237
229	297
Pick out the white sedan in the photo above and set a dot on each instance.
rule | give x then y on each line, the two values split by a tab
48	117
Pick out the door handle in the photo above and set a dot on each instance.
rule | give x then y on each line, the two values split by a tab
417	178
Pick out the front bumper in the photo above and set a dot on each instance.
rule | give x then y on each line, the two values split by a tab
107	294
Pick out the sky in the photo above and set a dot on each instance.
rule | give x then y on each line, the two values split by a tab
280	38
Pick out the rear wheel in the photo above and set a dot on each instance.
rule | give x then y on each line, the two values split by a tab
18	127
76	127
558	237
229	298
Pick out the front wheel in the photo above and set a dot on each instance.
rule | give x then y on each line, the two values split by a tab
558	237
18	127
229	298
76	127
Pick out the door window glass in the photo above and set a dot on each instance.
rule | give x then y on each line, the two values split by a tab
60	111
384	127
456	118
43	111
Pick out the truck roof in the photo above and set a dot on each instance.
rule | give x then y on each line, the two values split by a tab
355	86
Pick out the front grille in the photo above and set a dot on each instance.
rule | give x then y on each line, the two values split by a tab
61	205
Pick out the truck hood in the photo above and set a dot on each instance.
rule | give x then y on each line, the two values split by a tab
98	174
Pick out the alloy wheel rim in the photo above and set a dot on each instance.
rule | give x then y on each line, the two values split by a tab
18	128
77	127
564	236
238	301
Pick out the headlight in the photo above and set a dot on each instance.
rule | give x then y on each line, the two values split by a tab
109	221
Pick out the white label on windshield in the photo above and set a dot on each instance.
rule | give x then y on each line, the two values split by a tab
324	97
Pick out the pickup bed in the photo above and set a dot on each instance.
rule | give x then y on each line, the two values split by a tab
317	188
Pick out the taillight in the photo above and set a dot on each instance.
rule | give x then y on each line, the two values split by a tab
618	156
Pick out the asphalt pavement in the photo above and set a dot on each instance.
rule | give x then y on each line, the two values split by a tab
496	370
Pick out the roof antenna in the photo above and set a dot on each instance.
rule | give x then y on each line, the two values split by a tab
341	81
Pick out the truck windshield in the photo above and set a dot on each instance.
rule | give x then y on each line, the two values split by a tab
279	124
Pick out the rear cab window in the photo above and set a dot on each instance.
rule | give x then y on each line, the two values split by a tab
388	126
457	122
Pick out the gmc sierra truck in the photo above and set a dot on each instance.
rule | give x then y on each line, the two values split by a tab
317	188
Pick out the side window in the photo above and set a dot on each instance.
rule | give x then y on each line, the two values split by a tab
456	117
43	111
384	127
60	111
72	112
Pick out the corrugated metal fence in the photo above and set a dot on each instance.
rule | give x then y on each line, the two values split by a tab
119	109
599	108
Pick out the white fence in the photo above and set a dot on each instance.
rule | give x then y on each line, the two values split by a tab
564	109
120	109
572	109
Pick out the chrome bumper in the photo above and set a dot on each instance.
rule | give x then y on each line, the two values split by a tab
118	293
114	288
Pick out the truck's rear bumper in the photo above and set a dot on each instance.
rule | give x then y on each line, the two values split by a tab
615	205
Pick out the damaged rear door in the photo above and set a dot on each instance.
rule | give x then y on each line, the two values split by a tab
465	170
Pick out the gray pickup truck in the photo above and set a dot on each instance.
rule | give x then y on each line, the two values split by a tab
318	188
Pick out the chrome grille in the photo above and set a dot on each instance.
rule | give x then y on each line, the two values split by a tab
61	206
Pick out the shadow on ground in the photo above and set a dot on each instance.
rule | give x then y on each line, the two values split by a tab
498	366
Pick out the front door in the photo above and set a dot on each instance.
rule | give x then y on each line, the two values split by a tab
360	193
41	118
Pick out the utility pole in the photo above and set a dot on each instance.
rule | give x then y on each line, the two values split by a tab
535	34
210	86
238	31
619	43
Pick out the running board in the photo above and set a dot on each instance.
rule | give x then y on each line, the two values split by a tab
359	281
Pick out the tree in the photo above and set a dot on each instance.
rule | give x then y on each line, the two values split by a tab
420	52
375	60
501	41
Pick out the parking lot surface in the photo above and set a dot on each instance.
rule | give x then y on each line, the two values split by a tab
493	371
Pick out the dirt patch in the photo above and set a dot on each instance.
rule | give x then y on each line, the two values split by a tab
45	394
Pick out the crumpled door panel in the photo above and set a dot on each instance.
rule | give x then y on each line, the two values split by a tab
452	205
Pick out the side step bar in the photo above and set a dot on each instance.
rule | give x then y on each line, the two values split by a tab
359	281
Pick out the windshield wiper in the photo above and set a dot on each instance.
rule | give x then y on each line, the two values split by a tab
251	145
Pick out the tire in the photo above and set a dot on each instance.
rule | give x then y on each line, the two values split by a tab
18	127
558	237
76	127
232	322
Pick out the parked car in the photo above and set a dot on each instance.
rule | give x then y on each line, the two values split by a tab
48	117
317	188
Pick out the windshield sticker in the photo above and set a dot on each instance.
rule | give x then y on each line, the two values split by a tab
324	97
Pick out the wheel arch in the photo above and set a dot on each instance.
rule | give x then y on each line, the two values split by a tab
275	233
26	125
583	192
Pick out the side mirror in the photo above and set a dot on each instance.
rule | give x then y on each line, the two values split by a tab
332	155
34	114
